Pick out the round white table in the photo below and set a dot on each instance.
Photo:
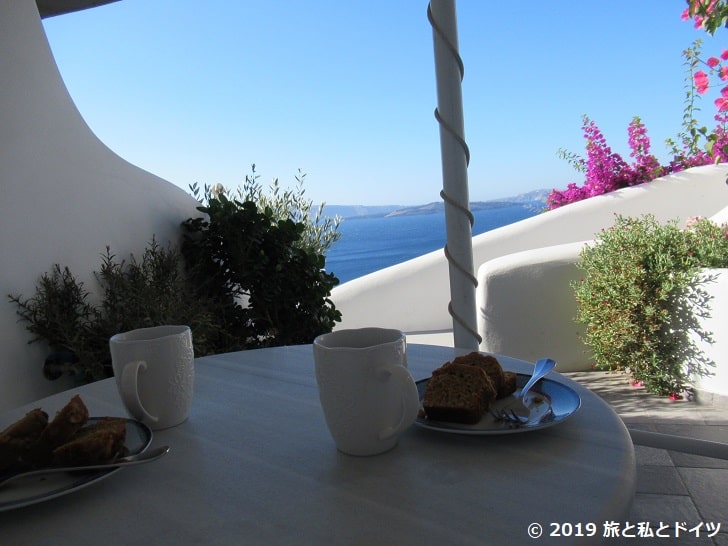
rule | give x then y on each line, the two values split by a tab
255	464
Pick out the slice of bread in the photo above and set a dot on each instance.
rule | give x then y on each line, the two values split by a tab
60	430
33	442
490	366
99	442
504	382
20	436
458	393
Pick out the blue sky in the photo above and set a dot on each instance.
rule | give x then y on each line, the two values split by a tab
345	90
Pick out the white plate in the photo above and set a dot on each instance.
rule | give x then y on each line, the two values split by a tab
558	403
35	489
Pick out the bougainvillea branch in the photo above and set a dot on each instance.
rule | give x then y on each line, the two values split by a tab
606	171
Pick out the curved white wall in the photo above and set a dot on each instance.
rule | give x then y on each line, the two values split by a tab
413	296
526	306
65	195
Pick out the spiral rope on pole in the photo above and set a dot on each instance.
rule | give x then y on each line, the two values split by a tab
462	208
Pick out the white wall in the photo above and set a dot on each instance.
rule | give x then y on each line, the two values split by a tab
413	296
65	195
716	382
526	306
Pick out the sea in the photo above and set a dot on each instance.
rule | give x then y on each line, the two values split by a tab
368	244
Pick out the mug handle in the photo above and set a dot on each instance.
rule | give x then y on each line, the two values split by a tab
409	395
130	392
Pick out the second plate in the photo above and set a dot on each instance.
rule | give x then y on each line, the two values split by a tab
564	402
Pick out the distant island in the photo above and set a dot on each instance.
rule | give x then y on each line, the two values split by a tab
536	198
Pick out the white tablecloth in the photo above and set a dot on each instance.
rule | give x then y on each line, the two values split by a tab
255	464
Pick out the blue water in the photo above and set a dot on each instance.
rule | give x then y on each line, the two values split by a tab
370	244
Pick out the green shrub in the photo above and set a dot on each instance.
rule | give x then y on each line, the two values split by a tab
319	233
247	275
135	294
271	289
642	295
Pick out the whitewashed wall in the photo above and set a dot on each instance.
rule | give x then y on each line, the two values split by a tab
65	195
413	296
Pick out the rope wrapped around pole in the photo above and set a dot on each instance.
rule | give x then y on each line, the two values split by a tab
455	159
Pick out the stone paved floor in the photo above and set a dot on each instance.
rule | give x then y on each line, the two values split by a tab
671	486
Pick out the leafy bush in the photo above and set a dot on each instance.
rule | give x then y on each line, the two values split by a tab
247	275
320	232
135	295
271	289
642	295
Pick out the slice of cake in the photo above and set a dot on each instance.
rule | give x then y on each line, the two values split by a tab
458	393
64	425
490	366
99	442
20	436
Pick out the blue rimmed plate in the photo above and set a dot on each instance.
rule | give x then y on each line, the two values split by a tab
35	489
556	403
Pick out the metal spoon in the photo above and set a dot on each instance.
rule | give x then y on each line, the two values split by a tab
518	407
540	369
139	458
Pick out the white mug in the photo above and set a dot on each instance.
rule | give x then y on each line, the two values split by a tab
367	395
154	370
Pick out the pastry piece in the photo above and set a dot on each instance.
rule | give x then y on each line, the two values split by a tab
60	430
20	436
509	384
489	363
99	442
458	393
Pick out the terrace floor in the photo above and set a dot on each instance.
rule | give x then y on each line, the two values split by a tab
671	486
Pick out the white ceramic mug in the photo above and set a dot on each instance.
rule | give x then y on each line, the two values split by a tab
367	394
154	370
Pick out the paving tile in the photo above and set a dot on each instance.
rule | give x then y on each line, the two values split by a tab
657	508
708	488
664	480
671	486
651	456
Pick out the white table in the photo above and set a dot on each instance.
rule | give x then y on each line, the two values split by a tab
255	464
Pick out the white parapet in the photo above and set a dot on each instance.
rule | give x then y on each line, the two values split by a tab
413	296
526	306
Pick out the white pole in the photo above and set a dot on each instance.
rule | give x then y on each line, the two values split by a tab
455	158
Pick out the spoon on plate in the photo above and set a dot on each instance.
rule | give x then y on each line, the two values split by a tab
140	458
517	410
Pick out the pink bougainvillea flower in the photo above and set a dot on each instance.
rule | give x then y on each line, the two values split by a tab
685	15
712	62
724	55
693	221
723	73
701	81
721	104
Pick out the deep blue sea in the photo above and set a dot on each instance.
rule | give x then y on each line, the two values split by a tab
370	244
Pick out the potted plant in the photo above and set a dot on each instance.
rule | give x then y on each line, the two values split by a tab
644	296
